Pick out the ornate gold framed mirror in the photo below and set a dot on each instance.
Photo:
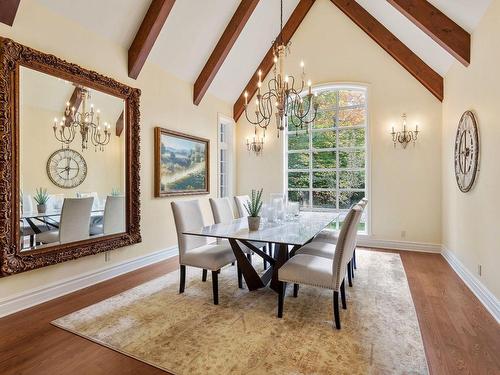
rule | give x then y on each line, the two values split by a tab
69	161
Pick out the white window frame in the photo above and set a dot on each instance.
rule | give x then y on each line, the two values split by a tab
229	164
367	169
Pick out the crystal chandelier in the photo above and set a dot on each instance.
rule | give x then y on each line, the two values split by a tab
86	122
283	100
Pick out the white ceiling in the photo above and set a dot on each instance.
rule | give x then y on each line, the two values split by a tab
194	27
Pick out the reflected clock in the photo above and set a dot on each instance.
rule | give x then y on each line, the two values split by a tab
467	152
66	168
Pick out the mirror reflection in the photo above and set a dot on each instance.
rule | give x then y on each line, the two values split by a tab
72	161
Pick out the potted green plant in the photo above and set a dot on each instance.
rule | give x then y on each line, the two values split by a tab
41	197
253	207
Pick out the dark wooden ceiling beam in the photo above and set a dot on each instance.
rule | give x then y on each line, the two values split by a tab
120	124
393	46
438	26
146	36
74	102
222	49
8	10
266	64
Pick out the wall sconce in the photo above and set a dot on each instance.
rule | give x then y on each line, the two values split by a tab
256	145
406	136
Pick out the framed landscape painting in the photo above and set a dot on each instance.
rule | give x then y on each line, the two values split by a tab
181	164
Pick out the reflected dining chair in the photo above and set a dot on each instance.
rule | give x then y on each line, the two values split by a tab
195	251
74	224
96	203
323	272
113	220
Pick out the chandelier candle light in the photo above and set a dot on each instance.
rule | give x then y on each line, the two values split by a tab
406	136
282	100
66	128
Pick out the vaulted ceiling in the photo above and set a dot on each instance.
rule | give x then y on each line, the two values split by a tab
193	29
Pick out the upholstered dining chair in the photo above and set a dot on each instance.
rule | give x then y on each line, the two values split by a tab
330	236
74	224
323	272
195	251
223	213
240	201
113	219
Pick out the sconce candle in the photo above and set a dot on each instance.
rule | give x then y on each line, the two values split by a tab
404	137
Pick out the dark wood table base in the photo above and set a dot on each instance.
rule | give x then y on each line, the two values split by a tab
253	280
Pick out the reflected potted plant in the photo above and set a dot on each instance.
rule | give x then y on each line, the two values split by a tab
253	207
41	198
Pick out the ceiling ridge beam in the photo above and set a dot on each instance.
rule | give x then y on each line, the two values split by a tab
146	36
393	46
267	63
8	10
437	25
222	49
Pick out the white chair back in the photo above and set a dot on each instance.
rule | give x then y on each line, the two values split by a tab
55	201
221	209
93	194
241	201
75	219
114	215
346	245
27	203
188	215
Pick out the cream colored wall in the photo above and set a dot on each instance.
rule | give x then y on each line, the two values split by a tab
471	222
405	184
105	170
165	101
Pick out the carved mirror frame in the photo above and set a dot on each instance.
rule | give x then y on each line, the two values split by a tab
12	56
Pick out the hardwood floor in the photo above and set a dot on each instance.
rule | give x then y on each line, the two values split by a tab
460	337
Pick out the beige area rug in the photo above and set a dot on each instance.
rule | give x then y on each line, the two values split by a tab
187	334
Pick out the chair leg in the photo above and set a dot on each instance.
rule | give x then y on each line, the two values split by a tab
336	311
354	260
264	259
240	278
352	268
281	299
215	286
295	290
204	275
342	295
349	274
183	279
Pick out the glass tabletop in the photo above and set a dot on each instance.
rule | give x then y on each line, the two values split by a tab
296	232
48	213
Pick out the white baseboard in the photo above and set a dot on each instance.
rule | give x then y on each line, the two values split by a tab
36	296
487	298
367	241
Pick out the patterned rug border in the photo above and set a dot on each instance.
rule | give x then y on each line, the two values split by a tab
150	363
99	342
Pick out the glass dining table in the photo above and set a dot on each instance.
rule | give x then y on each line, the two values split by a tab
43	221
287	237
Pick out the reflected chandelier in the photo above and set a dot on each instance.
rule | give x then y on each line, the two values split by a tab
86	122
283	101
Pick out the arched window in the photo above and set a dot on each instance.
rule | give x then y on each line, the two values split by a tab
327	163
